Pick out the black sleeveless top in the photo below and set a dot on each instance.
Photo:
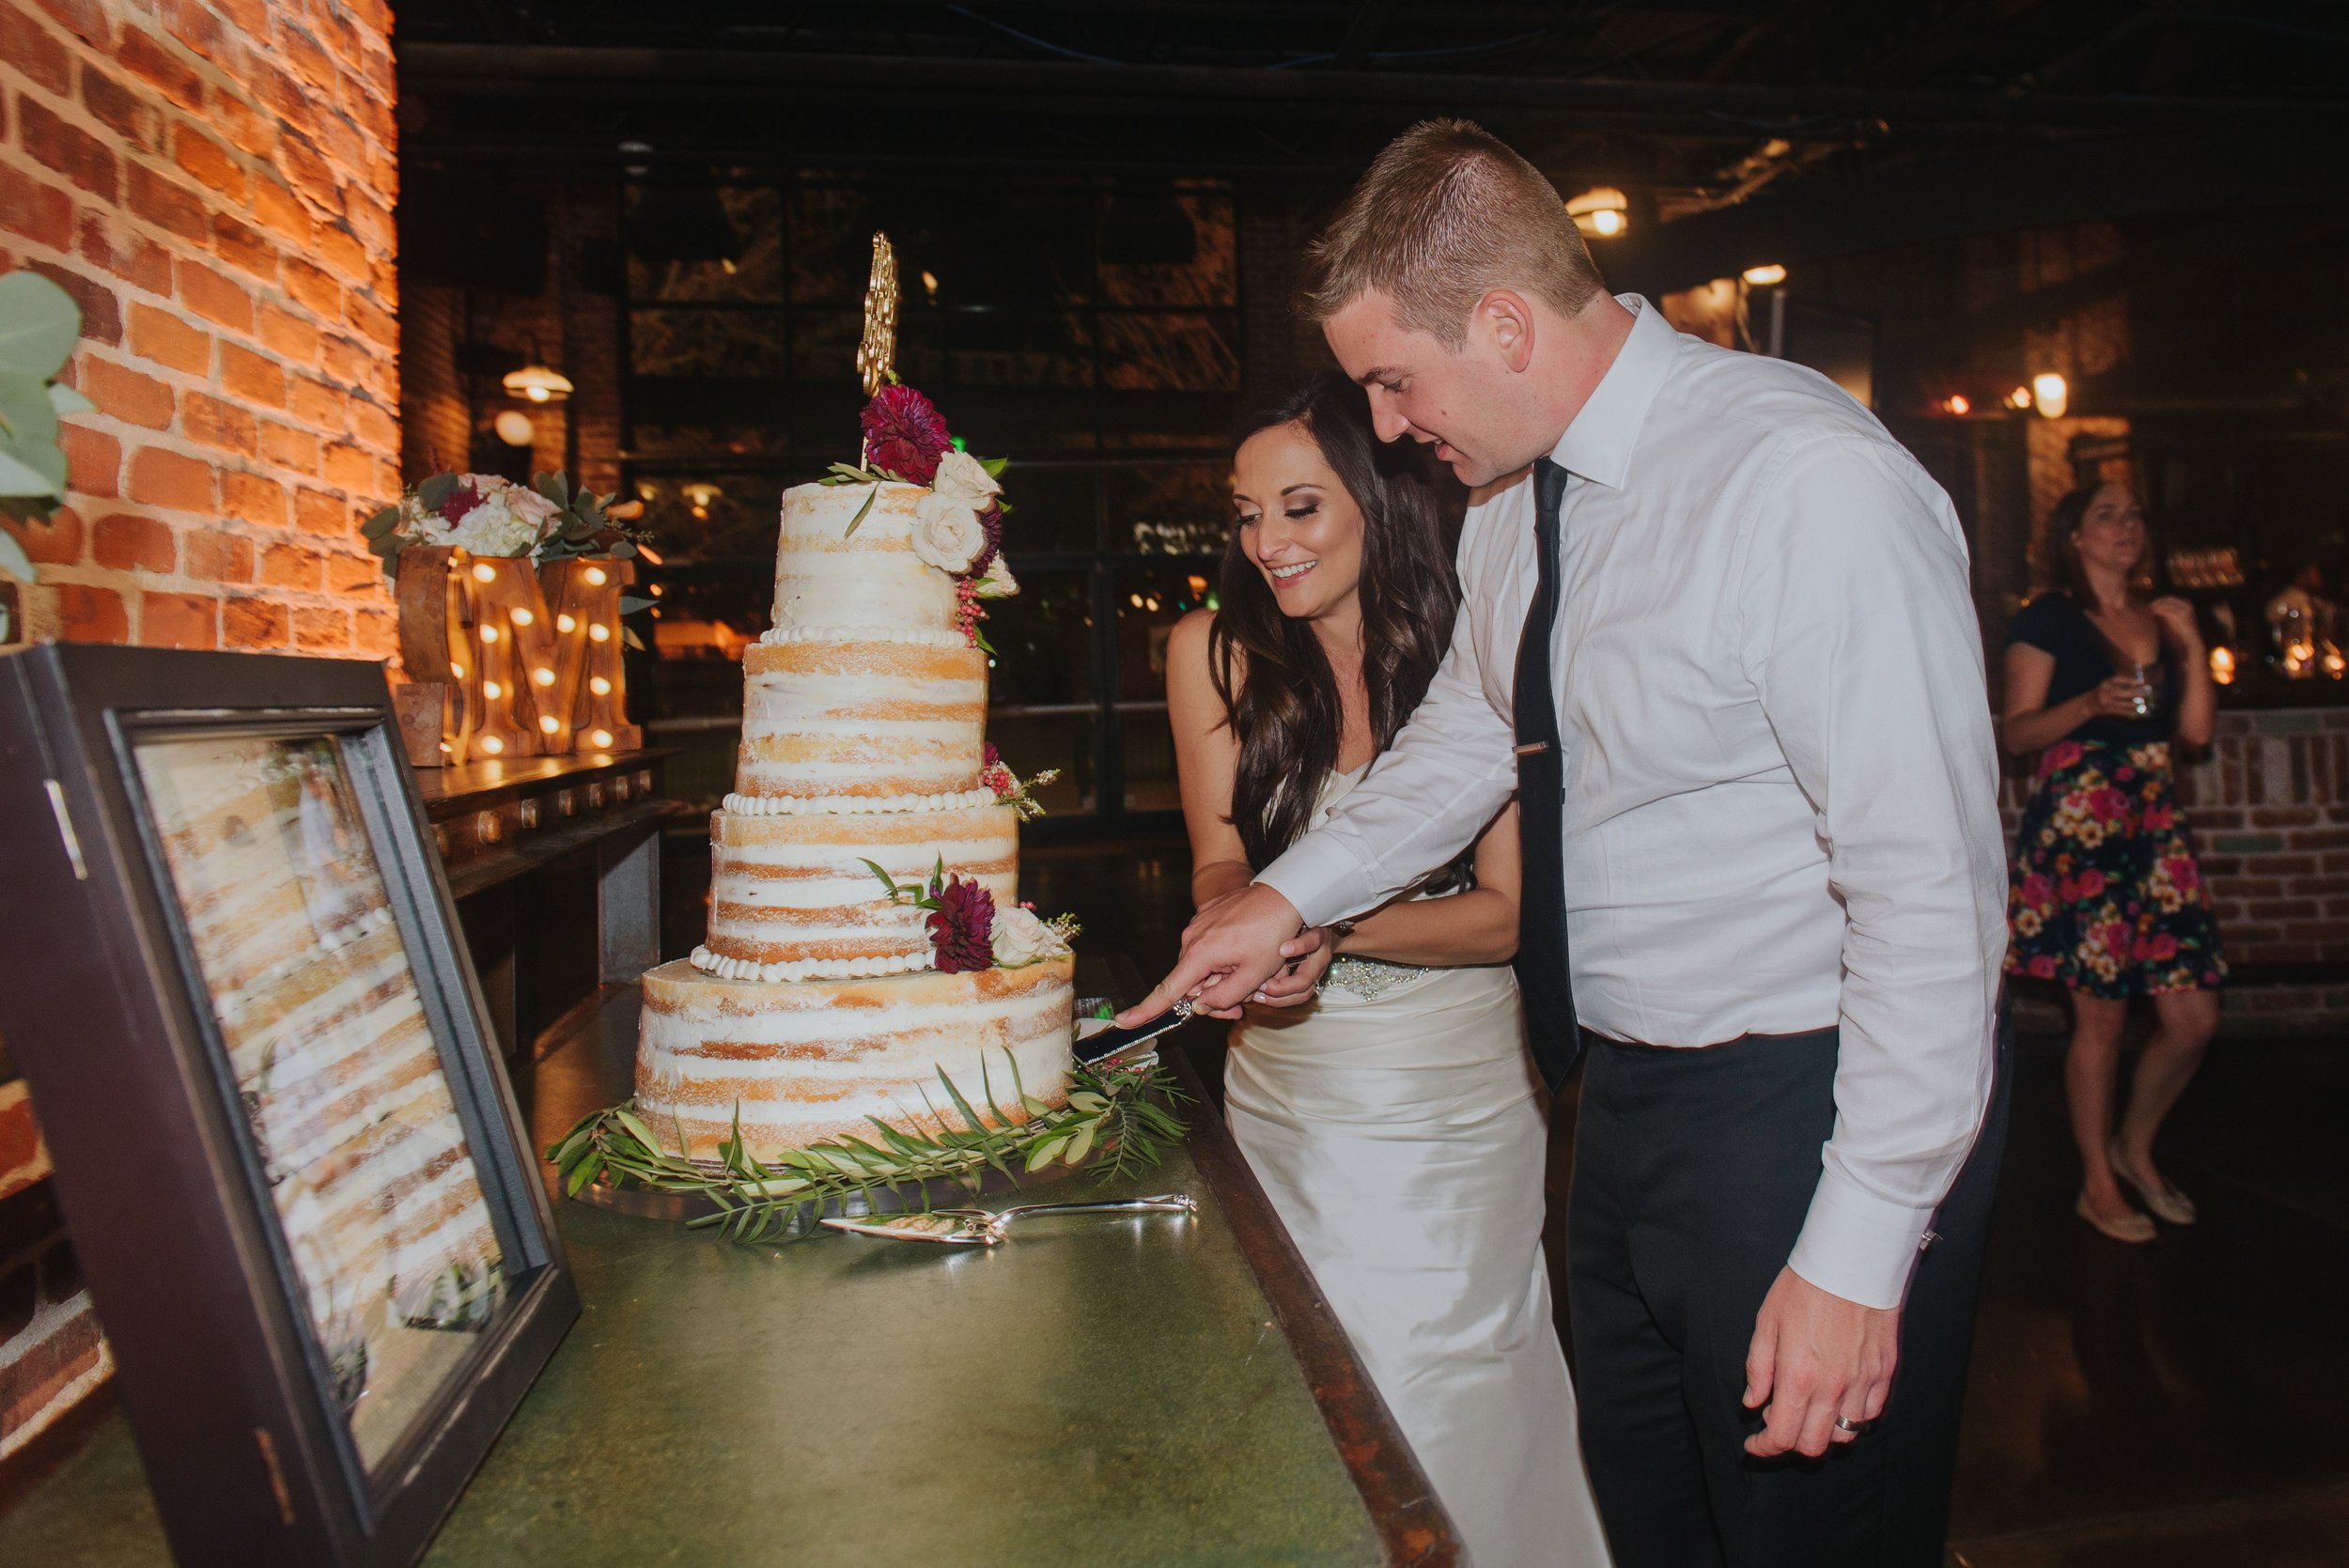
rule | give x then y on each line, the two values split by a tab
2083	660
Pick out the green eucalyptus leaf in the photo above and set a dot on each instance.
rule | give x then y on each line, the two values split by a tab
434	492
18	478
66	399
38	322
637	1130
630	603
1087	1101
13	560
1045	1152
27	413
628	635
623	549
582	1175
554	487
381	523
871	497
1080	1144
1034	1106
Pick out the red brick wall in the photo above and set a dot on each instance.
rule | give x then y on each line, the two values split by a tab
214	183
2269	805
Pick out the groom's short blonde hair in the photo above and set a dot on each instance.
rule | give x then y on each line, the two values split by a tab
1446	214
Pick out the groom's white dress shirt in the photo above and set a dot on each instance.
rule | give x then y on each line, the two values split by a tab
1781	783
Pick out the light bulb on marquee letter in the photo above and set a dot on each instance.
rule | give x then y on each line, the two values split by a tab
548	723
599	686
543	675
601	632
491	744
492	690
484	572
566	623
601	737
489	634
522	616
595	576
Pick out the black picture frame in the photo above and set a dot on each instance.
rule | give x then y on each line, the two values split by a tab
250	1437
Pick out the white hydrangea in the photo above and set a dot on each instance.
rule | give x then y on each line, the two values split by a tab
506	520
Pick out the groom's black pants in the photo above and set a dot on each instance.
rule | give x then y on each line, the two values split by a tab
1693	1171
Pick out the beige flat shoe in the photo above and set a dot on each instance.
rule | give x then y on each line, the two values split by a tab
2136	1228
2166	1202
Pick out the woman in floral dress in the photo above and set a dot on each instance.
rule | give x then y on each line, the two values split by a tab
2105	893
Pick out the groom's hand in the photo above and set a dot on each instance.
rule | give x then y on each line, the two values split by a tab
1816	1356
1231	946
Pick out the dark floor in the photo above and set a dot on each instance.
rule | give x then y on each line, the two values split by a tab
2182	1404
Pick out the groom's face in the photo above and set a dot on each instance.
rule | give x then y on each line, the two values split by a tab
1457	401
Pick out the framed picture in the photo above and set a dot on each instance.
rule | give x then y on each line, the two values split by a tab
287	1151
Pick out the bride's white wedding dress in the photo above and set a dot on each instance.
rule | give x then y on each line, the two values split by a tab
1397	1127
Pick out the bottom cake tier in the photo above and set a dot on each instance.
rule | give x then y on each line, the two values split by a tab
810	1059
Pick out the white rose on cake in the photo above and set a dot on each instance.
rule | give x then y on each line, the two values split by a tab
946	533
1020	937
962	477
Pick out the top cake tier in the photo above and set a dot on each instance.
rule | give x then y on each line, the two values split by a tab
865	584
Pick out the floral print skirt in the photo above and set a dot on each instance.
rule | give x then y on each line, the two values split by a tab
2103	892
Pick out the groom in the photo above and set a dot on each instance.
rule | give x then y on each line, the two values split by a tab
1720	644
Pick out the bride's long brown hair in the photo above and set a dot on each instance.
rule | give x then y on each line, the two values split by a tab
1283	709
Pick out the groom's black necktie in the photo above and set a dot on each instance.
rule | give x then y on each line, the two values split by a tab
1541	961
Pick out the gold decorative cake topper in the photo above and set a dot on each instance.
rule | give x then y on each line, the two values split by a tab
876	353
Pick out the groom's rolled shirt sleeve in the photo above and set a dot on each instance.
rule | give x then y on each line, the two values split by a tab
1861	637
1451	769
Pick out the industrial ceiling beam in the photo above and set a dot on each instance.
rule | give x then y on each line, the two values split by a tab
1020	86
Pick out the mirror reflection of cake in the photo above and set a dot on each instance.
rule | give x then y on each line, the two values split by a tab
819	1000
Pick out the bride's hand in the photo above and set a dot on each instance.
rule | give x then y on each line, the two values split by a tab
1305	958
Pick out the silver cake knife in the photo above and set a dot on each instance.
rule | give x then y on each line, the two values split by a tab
1112	1047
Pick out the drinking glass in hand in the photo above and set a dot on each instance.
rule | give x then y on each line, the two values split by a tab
2148	679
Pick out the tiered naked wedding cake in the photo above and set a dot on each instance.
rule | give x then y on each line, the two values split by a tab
865	933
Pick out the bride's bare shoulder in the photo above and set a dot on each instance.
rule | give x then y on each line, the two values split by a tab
1191	645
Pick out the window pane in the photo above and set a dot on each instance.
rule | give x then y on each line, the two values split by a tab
1035	743
706	342
1170	244
1149	754
658	218
1171	508
1053	507
1149	602
729	517
1179	352
1043	641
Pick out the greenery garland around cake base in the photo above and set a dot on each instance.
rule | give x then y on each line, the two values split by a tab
1120	1112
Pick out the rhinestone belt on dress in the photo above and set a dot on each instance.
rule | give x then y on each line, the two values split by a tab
1368	978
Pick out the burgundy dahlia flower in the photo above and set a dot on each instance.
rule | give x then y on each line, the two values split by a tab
904	434
962	927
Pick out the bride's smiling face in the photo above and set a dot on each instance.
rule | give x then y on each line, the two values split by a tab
1297	521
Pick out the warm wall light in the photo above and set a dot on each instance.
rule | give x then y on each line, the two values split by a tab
2048	391
929	283
1599	212
2222	664
1958	403
514	427
2018	398
1765	276
540	383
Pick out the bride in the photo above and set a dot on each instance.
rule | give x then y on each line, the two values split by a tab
1386	1102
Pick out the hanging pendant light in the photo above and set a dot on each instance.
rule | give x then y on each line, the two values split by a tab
538	382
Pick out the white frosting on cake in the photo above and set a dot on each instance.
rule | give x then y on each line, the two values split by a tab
872	718
796	890
810	968
918	636
828	576
853	805
810	1061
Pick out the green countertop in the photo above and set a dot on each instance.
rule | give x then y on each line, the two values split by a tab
1094	1391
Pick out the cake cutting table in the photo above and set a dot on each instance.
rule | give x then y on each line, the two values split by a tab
1145	1391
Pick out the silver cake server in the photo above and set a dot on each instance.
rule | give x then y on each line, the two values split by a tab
986	1227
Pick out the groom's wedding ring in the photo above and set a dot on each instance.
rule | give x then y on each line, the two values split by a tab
1845	1424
